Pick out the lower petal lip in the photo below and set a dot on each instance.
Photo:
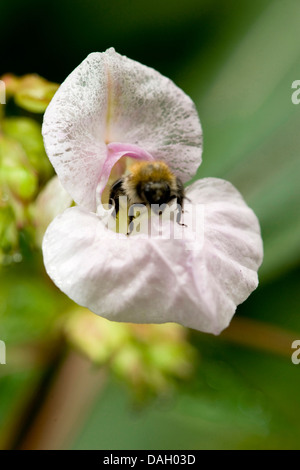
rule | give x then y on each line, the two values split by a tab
138	280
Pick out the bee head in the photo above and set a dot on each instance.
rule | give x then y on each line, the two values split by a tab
155	192
149	183
152	181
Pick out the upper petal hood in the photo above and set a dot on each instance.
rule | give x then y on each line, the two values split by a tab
195	281
111	99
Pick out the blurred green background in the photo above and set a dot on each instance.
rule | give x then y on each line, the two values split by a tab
117	387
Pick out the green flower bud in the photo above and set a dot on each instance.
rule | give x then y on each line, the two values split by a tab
149	358
11	83
8	230
16	172
28	133
97	338
22	182
35	93
31	92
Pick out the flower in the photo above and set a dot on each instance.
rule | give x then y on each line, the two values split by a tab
112	107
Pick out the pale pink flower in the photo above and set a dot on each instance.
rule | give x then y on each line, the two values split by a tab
110	107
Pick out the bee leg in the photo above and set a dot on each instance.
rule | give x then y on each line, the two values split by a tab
180	196
115	192
180	211
130	224
133	213
182	225
178	218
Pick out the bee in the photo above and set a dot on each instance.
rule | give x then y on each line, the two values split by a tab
151	184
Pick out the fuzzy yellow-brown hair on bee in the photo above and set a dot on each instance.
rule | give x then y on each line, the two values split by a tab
144	172
149	183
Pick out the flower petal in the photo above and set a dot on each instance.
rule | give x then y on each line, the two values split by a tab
52	201
156	280
108	99
225	269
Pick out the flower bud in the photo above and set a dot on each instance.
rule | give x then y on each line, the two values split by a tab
16	172
31	92
28	133
8	231
11	83
132	351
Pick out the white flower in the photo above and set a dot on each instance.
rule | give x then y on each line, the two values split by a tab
111	107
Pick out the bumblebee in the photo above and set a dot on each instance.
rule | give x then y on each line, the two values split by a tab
151	184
